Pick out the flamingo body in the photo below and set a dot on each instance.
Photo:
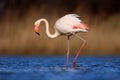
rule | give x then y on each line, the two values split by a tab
67	25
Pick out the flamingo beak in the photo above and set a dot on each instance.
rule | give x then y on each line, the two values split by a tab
36	30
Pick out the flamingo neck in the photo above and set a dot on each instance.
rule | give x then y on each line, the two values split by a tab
47	28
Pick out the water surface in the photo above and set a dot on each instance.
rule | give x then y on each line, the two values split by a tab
53	68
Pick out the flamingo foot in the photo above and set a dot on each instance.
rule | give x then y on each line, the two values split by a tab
74	64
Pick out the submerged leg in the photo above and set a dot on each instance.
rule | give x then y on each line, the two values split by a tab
68	51
81	47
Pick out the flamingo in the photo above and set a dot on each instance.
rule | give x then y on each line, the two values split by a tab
67	25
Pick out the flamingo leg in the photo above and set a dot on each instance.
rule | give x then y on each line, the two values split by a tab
79	51
68	51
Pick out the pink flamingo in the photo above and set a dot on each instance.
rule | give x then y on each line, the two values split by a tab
67	25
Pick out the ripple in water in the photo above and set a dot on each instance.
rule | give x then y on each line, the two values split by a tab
54	68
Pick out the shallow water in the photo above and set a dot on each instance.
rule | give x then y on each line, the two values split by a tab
53	68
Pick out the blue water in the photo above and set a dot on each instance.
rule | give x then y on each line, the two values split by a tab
53	68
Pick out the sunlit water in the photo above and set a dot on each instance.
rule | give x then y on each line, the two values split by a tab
53	68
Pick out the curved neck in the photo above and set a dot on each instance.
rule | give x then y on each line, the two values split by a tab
37	23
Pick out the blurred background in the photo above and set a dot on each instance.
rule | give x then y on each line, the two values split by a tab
17	19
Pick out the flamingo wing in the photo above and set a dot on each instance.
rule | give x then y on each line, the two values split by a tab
70	23
80	26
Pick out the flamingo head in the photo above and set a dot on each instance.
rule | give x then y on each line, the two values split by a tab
36	29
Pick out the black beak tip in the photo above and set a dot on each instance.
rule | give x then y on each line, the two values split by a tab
37	33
